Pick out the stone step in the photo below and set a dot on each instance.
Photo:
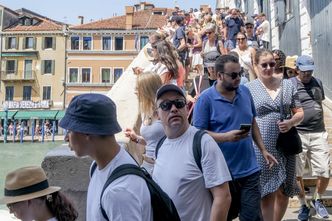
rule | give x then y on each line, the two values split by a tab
326	198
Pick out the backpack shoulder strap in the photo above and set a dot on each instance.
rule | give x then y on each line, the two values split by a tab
120	171
197	148
93	168
160	142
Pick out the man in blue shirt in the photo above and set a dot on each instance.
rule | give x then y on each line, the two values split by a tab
221	110
234	25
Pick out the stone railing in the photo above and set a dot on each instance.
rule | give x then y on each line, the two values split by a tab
71	173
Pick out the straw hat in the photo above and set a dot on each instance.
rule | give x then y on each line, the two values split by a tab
26	183
291	62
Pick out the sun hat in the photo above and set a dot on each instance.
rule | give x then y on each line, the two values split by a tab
305	63
210	58
26	183
290	62
91	114
167	88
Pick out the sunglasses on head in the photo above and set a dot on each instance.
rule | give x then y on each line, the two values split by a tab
234	75
167	105
271	64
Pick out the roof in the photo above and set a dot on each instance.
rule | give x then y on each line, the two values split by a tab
144	19
44	24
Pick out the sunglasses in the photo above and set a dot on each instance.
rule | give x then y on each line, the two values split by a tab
306	72
271	64
234	75
167	105
208	32
241	39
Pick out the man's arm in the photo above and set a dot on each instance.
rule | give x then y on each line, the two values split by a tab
230	136
182	44
256	136
221	202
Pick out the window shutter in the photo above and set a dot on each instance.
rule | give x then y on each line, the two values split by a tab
42	71
7	43
34	43
54	43
17	42
15	66
24	43
43	43
53	66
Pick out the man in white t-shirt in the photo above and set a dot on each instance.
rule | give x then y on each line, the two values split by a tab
197	195
91	124
263	31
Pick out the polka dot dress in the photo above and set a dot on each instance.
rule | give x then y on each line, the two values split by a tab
268	113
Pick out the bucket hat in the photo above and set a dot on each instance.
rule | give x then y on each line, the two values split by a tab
91	114
291	62
305	63
26	183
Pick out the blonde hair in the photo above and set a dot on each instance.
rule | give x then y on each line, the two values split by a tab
147	85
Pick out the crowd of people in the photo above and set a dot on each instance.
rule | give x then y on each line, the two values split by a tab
251	95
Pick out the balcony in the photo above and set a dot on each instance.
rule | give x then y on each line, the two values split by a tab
11	76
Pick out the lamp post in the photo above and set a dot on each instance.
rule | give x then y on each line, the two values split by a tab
5	127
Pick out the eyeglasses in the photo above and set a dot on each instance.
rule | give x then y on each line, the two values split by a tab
306	72
271	64
234	75
241	39
167	105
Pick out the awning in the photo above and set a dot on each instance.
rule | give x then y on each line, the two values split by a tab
18	54
37	114
60	115
10	114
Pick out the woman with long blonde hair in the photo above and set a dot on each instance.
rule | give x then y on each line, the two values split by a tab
151	130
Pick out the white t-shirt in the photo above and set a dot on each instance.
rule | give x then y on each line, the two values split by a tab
126	198
266	30
178	175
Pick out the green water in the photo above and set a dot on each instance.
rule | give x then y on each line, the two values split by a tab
15	155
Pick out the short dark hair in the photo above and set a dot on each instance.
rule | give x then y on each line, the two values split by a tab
222	60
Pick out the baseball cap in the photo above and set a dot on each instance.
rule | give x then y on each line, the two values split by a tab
305	63
167	88
210	58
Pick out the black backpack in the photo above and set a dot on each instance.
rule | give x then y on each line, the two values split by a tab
162	206
197	149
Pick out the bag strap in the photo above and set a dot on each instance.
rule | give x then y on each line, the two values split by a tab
93	168
120	171
282	100
197	148
160	142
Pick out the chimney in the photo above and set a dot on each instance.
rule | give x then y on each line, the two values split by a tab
129	17
81	19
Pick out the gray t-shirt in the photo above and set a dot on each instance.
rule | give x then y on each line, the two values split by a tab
179	176
152	134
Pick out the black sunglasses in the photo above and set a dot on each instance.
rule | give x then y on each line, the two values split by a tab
271	64
234	75
241	39
208	32
167	105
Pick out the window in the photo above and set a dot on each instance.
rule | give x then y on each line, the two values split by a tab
143	41
118	43
117	73
107	43
105	75
9	93
47	93
73	75
27	93
49	42
29	43
11	44
75	43
11	66
48	66
87	41
86	75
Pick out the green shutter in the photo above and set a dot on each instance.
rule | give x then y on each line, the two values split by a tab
53	66
7	43
42	67
34	42
54	43
17	42
43	43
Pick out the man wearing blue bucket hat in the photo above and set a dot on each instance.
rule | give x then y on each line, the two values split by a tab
313	135
91	124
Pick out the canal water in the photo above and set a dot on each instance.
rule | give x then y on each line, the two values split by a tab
15	155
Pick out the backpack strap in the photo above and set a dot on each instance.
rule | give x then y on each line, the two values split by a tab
197	148
93	168
160	142
120	171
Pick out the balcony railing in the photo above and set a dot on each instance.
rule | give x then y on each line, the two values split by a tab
11	75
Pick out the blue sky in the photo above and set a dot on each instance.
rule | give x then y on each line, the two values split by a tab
68	10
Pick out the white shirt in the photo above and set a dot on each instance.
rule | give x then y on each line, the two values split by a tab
265	36
127	198
178	175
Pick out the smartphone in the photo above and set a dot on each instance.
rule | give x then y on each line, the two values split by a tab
245	127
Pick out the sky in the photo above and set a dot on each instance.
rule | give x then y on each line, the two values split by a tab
68	10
